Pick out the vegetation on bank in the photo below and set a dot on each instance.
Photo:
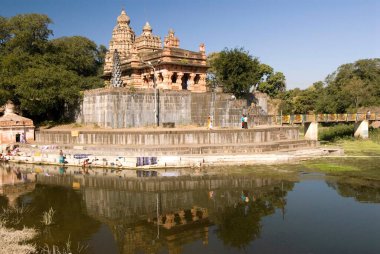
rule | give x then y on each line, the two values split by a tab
16	241
43	76
350	87
335	132
13	238
361	160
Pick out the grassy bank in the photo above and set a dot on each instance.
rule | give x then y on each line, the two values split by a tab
16	241
361	161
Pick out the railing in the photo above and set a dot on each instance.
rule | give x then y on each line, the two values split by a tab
326	118
321	118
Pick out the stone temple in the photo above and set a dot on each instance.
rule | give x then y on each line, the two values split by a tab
176	68
134	64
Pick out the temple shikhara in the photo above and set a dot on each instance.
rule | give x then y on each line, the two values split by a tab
134	59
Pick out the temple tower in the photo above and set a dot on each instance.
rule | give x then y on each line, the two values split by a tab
122	40
144	60
171	41
147	42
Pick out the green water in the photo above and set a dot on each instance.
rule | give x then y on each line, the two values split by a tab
239	210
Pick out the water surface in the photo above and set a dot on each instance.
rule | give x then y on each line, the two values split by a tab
196	212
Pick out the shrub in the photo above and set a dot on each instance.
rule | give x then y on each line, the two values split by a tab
332	133
47	217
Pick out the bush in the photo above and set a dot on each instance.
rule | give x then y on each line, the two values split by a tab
332	133
374	135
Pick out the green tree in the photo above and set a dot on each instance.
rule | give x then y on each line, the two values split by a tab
350	87
44	78
77	54
353	85
273	85
4	32
28	32
236	70
44	91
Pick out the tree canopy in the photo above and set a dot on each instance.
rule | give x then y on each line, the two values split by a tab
239	73
44	77
350	87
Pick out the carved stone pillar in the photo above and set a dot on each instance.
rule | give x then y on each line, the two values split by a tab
179	78
202	83
167	79
178	84
190	82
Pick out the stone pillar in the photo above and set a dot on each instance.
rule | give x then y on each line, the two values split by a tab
177	85
202	83
190	82
311	131
361	129
168	78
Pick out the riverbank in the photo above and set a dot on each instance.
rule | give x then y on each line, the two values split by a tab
361	160
16	241
84	156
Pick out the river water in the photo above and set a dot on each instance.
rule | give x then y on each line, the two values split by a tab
199	211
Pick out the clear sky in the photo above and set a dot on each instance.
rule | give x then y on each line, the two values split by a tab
304	39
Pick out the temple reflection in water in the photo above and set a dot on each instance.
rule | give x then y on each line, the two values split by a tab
152	214
14	182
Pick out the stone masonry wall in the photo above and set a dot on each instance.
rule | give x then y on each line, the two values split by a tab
170	137
121	108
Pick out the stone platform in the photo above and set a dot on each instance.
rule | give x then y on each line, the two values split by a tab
165	137
171	148
158	142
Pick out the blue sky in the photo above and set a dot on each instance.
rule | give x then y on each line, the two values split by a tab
304	39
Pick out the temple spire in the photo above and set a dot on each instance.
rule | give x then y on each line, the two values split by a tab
147	29
171	40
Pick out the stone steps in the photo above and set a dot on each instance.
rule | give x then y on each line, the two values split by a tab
129	150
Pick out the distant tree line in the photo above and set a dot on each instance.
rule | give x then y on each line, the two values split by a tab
44	77
350	87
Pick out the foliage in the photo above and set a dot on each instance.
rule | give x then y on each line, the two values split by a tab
67	249
236	70
374	135
44	77
27	32
335	132
273	85
239	73
352	86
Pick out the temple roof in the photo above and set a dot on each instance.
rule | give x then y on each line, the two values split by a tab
10	118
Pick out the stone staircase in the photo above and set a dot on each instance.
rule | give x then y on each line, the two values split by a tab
169	150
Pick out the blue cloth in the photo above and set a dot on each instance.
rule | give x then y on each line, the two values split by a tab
80	156
141	161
